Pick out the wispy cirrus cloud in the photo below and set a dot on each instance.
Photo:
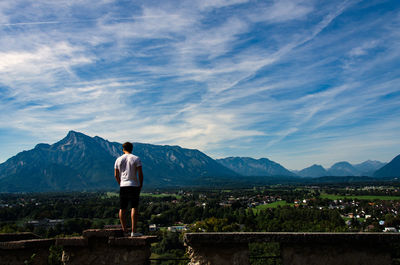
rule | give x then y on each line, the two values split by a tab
291	80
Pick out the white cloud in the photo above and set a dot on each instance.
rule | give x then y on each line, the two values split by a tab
204	4
44	64
152	23
89	106
42	59
281	11
263	74
363	49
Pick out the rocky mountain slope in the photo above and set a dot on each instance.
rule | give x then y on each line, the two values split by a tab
248	166
80	162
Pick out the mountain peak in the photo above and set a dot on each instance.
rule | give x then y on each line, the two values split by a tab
341	164
343	168
74	139
75	134
316	166
313	171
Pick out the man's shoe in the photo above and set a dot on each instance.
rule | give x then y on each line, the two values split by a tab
136	234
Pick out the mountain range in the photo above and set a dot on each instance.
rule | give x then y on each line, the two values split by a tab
248	166
342	169
81	162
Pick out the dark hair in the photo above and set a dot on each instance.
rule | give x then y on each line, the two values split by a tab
127	147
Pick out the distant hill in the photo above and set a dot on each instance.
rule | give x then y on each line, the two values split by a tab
248	166
315	171
80	162
368	167
392	169
342	169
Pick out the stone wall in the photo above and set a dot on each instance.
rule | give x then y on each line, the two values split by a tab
296	248
24	248
109	246
106	247
95	246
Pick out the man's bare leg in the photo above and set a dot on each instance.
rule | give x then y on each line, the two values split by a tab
122	213
134	218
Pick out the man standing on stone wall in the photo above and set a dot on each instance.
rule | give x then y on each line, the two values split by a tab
129	175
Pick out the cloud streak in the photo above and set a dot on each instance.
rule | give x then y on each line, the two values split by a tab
295	81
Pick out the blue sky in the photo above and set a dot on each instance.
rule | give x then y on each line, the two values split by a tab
298	82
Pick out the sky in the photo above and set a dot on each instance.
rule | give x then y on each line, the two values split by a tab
298	82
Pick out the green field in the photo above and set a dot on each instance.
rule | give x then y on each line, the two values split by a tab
360	197
111	194
161	195
271	205
145	194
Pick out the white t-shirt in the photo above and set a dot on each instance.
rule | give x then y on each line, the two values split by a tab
127	165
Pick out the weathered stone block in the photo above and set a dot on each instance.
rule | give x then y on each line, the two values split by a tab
106	246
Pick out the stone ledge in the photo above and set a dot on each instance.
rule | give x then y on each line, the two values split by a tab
79	241
115	237
17	236
96	246
132	241
24	244
103	233
113	241
290	237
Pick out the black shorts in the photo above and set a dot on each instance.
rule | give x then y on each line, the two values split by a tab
129	195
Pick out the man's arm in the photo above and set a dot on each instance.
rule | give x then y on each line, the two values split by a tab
117	177
140	174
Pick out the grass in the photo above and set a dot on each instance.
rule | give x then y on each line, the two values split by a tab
161	195
274	205
271	205
360	197
111	194
145	194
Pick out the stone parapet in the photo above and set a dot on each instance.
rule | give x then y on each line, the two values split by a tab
27	244
17	236
95	246
296	248
24	248
78	241
103	233
290	237
106	246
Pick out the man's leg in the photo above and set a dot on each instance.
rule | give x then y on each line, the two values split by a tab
134	218
123	205
122	213
135	208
